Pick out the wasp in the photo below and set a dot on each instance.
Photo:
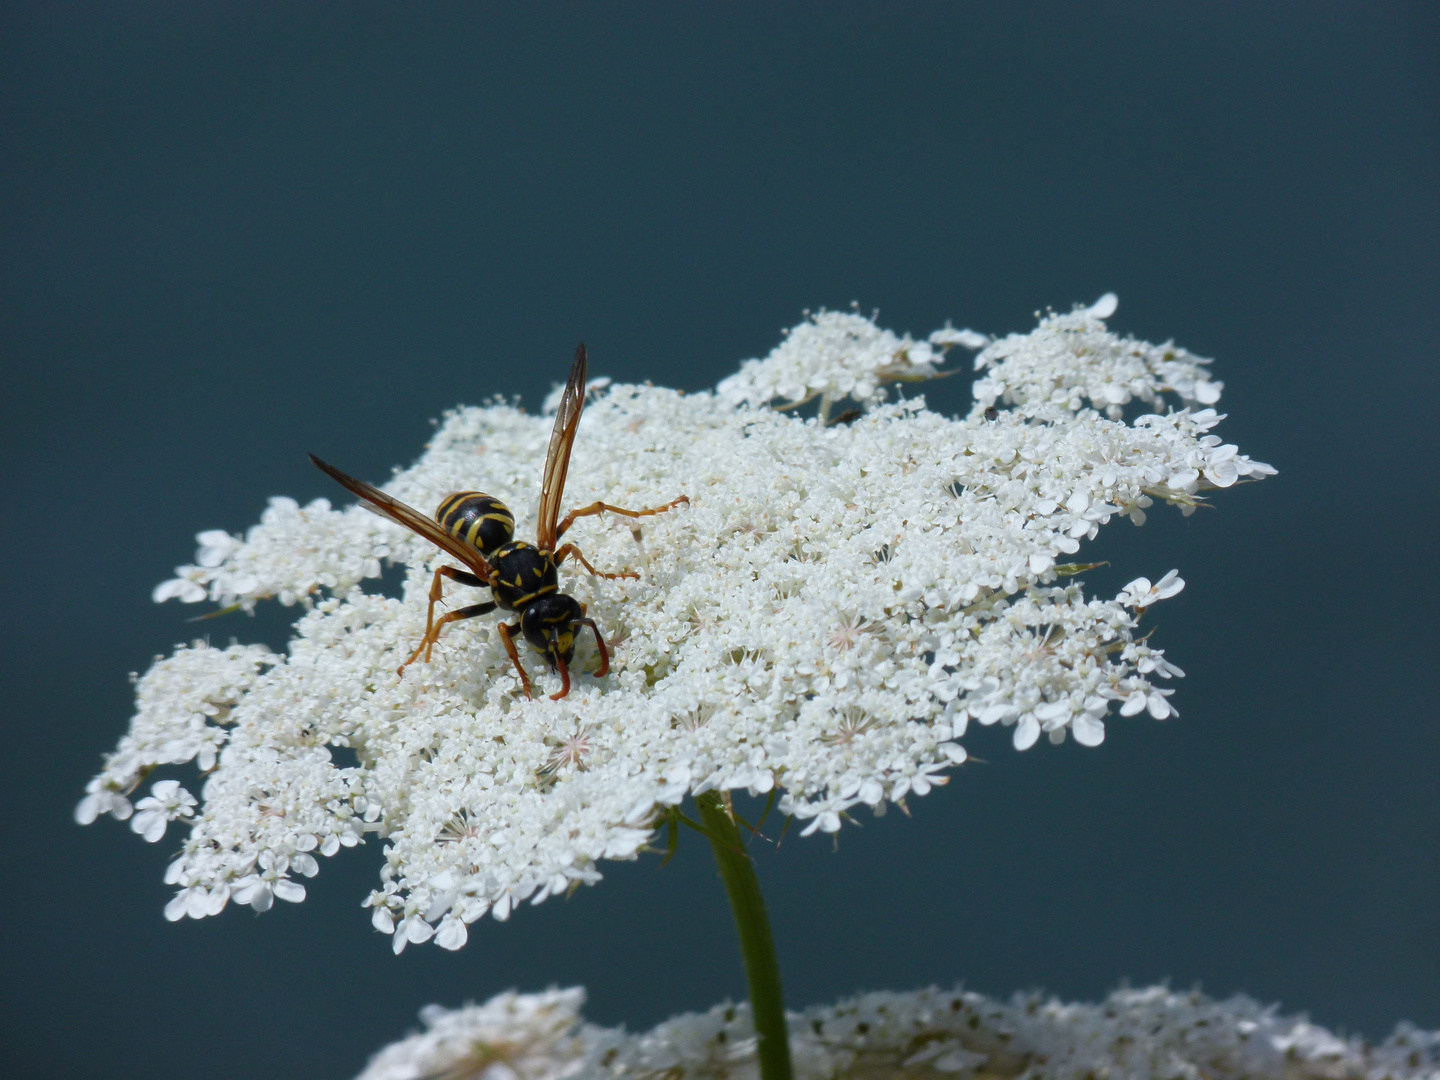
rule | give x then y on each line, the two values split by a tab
478	530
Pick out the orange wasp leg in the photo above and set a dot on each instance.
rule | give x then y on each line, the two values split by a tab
434	635
606	508
604	652
505	631
570	549
432	631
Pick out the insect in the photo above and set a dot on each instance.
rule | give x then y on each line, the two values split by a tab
478	530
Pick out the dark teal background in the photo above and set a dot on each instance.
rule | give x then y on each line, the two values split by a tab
236	233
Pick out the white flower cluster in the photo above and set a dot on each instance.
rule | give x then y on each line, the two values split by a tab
835	606
337	555
1022	370
182	714
1147	1034
510	1037
833	356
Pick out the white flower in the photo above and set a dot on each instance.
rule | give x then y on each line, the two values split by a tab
836	355
1141	594
183	587
825	618
1031	370
1103	308
100	799
966	339
259	889
167	802
188	585
510	1037
1135	1034
216	545
1143	700
183	712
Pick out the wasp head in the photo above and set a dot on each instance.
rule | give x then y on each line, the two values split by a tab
550	624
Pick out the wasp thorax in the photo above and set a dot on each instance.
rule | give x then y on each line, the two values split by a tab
477	519
550	625
523	574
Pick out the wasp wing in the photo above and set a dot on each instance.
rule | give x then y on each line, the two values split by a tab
408	516
557	458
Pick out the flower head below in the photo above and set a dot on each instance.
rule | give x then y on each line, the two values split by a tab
836	605
1134	1034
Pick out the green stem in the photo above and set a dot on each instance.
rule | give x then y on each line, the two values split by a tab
767	1002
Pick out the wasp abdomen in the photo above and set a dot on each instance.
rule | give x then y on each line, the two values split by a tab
477	519
522	574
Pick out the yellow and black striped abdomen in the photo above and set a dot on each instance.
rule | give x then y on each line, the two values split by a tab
477	519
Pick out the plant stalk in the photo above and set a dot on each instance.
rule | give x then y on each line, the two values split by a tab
757	947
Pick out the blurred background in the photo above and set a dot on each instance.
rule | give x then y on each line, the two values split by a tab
235	233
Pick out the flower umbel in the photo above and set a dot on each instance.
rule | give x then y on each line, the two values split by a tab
834	607
1134	1034
510	1037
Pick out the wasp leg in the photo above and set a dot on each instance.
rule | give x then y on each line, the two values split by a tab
506	632
606	508
436	595
570	549
604	652
564	679
433	635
